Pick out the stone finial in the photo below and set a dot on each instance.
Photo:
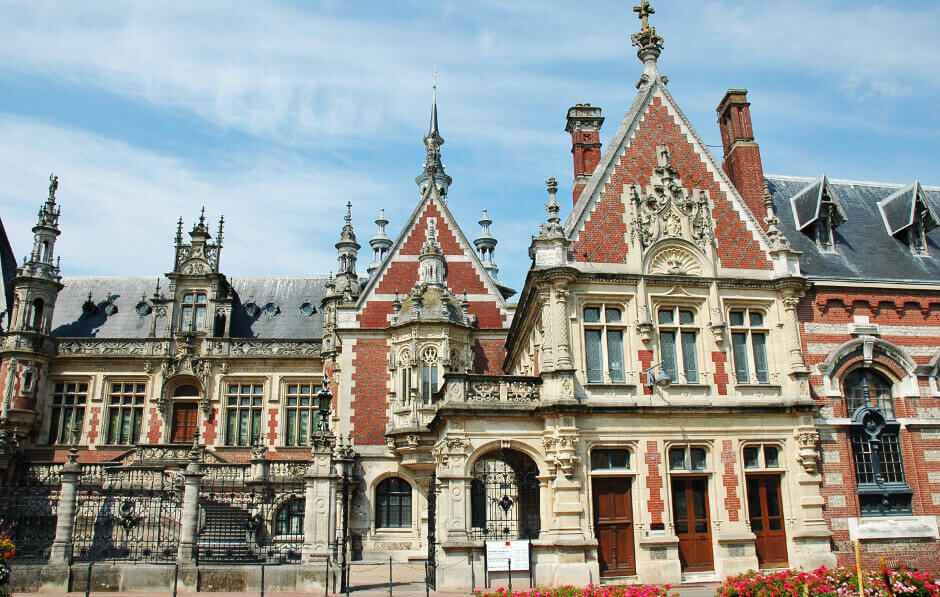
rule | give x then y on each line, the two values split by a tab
53	186
552	207
649	43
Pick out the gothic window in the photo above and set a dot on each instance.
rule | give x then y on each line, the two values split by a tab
878	388
749	345
688	458
882	486
289	519
393	504
301	416
607	460
404	372
429	374
125	412
243	414
761	457
603	343
68	411
678	344
193	314
38	306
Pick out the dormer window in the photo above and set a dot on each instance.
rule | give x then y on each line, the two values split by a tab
824	234
817	213
908	217
917	238
193	314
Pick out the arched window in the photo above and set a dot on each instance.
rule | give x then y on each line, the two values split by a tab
504	496
290	518
877	386
879	465
186	390
393	504
38	305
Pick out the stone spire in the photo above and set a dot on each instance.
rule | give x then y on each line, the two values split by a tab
550	247
486	245
380	243
649	44
347	250
431	258
433	166
36	282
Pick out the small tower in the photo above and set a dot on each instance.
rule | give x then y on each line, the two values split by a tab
36	284
380	244
433	166
431	258
347	250
486	245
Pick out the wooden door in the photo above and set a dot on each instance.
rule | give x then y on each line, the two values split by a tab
766	517
613	526
184	423
693	526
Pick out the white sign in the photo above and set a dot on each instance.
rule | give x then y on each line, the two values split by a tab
500	555
893	527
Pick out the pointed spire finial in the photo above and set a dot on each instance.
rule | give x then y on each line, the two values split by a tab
202	217
348	212
553	227
179	231
218	237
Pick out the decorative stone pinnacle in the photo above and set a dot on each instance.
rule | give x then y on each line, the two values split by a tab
202	217
348	212
553	227
53	186
646	40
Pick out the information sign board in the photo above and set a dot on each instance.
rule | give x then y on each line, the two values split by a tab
500	555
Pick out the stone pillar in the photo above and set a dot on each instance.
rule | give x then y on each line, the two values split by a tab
548	336
65	519
319	479
791	325
559	324
192	477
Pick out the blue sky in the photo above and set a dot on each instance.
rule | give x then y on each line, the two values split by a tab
277	113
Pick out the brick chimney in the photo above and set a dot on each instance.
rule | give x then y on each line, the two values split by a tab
742	161
584	124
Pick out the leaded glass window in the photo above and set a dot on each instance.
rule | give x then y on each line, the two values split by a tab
125	412
243	413
603	344
68	411
300	413
193	312
749	345
393	504
678	326
878	387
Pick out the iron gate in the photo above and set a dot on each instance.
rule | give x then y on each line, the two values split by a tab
504	496
128	515
28	509
243	520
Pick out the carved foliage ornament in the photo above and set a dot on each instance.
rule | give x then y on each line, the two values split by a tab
666	209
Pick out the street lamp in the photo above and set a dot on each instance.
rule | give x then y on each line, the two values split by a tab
324	400
659	378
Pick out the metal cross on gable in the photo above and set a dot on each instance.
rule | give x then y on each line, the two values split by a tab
644	10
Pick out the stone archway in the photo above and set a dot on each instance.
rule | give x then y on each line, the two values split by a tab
504	496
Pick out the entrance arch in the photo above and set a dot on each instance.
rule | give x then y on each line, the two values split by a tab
504	496
185	413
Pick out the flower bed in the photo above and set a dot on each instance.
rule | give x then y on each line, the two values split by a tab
830	582
7	549
588	591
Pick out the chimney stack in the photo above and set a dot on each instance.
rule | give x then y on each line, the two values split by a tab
584	124
742	161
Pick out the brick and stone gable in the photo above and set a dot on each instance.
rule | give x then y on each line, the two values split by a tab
600	231
463	271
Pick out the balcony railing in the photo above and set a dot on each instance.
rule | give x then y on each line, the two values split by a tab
490	389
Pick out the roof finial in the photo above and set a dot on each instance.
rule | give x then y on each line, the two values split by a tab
53	186
650	45
218	238
348	212
179	231
553	227
202	217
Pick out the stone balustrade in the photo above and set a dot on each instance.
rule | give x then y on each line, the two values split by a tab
490	389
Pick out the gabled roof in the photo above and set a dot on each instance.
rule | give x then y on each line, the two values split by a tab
864	249
807	204
287	293
899	209
431	193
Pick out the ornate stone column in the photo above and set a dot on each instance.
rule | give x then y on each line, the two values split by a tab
791	325
319	479
189	525
65	519
548	335
559	324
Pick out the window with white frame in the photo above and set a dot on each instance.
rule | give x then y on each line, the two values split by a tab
603	343
68	411
301	413
688	458
761	456
749	345
125	412
678	343
193	312
243	413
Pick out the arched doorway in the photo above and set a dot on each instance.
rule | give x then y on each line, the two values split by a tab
504	496
185	418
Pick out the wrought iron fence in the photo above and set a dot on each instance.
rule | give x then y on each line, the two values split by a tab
128	515
28	508
245	520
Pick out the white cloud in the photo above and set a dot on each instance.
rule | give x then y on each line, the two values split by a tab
120	203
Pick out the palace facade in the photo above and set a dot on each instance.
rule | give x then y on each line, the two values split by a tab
707	370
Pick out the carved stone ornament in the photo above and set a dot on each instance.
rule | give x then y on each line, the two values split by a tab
675	260
665	209
807	455
483	391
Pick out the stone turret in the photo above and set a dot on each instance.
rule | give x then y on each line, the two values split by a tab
380	244
347	250
486	245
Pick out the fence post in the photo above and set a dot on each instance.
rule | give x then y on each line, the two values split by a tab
192	477
61	553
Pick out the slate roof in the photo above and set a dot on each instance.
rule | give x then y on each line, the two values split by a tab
7	271
287	293
864	248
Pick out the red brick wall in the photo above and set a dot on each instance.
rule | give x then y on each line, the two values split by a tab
730	480
654	483
369	391
488	356
603	237
911	316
